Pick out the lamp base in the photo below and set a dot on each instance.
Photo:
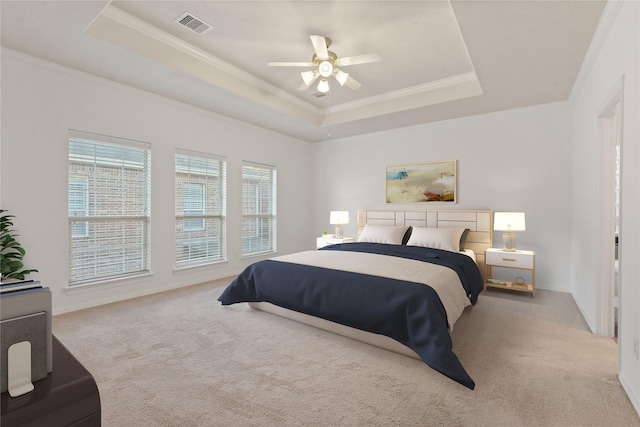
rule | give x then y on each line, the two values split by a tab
509	242
338	232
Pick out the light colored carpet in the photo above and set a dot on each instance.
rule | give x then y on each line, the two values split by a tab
181	359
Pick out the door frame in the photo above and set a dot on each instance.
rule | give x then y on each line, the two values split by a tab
608	135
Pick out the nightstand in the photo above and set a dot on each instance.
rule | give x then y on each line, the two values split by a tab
521	260
324	241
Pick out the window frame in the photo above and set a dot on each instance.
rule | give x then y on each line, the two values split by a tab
117	243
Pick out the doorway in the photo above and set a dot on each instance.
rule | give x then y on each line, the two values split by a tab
609	149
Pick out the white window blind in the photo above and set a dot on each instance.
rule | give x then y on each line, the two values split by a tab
79	204
258	208
109	207
193	205
200	208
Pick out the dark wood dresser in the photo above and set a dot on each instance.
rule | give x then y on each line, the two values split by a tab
67	397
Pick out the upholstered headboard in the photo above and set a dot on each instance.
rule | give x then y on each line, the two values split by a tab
479	223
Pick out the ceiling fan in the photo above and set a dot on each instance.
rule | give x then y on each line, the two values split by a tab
327	63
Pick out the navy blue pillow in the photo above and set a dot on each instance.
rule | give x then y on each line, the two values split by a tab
406	236
463	238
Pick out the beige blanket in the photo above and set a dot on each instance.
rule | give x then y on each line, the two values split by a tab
441	279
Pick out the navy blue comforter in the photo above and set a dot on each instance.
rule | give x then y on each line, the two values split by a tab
408	312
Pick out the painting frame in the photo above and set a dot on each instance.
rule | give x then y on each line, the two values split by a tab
430	182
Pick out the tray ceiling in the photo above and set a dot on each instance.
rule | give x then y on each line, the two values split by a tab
440	59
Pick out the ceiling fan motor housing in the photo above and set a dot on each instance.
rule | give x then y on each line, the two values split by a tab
331	58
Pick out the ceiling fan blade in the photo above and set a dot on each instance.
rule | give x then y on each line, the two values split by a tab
358	59
290	64
352	83
320	46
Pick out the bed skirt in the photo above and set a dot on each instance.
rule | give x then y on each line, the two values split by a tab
376	340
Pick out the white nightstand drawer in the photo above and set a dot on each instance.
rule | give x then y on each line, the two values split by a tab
324	241
517	259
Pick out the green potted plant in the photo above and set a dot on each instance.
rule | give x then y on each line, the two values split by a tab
11	252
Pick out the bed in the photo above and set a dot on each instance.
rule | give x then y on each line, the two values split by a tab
401	286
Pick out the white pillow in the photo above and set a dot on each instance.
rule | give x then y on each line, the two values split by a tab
439	238
382	234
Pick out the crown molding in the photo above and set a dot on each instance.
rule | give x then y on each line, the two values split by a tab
447	82
608	18
127	31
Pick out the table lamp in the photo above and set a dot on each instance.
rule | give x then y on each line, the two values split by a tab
338	218
509	222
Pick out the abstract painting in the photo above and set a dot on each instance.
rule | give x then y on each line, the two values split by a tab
433	182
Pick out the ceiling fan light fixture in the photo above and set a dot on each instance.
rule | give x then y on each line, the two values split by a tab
323	85
325	68
308	77
341	77
327	63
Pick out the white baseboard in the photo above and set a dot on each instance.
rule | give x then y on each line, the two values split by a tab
584	313
633	397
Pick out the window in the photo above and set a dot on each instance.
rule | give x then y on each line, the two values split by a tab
109	207
200	208
258	208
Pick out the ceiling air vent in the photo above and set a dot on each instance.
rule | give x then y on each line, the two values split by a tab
319	94
193	23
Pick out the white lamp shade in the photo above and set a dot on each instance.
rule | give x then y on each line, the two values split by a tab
308	77
509	221
339	217
341	77
323	85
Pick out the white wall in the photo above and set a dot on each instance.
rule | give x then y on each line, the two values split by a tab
41	101
518	160
618	56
